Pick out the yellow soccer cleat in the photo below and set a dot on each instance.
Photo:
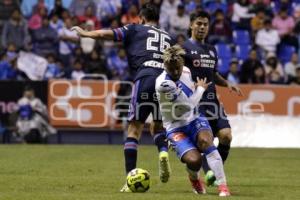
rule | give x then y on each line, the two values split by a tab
164	167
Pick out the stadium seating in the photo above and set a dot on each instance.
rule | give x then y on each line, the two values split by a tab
223	65
242	51
285	52
223	50
241	37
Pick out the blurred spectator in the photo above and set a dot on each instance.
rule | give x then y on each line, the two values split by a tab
261	5
65	15
45	39
215	5
89	16
296	79
109	46
8	68
58	9
233	75
107	11
131	17
247	72
56	23
167	10
126	4
290	67
40	5
53	70
296	13
180	39
274	70
67	44
27	6
279	4
179	23
96	64
191	5
15	31
35	22
241	15
88	44
6	8
257	22
267	38
259	75
285	24
77	71
77	7
32	124
220	30
118	65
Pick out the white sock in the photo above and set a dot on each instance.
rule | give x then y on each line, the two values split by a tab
193	174
215	163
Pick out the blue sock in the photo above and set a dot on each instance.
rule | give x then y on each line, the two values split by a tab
161	141
130	153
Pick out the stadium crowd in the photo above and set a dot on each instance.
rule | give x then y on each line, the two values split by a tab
257	40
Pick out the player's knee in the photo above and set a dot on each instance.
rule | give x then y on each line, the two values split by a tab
205	140
225	136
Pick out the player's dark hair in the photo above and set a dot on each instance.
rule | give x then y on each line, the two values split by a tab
150	12
194	16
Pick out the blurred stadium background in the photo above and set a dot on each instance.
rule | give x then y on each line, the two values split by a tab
81	96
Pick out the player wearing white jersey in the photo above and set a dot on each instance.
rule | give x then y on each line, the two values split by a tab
189	133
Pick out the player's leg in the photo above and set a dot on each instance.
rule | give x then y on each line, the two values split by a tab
192	159
204	141
190	155
131	143
135	127
225	137
157	131
159	137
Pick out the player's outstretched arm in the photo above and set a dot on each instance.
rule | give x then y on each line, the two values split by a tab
219	80
97	34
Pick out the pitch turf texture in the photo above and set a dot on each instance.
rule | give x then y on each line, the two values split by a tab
96	172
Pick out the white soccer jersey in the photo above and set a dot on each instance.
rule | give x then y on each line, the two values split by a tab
177	100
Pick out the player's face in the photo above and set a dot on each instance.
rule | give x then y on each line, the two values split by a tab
175	69
200	28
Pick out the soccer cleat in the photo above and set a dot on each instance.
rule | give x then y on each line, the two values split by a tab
198	186
223	191
210	179
125	188
164	166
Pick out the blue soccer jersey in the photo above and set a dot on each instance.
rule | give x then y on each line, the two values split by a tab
144	45
202	60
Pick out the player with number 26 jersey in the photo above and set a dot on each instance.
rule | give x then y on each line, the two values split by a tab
144	45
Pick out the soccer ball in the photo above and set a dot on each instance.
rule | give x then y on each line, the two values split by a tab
138	180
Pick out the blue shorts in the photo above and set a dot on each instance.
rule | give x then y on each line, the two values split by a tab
144	100
215	114
184	139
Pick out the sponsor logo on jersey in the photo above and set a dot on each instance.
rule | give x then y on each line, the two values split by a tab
178	136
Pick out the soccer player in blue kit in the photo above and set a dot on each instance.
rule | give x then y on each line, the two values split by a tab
201	59
189	133
144	44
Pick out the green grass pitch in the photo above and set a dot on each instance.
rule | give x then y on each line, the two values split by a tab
75	172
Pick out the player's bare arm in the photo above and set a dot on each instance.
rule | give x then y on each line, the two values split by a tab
220	81
97	34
